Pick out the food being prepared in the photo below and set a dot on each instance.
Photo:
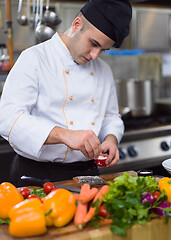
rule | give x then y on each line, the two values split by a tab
91	180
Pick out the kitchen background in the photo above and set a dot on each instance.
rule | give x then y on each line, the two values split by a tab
141	68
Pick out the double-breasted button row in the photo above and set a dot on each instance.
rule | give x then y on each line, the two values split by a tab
71	98
71	123
67	72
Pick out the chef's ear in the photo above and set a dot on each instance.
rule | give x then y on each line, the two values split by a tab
77	24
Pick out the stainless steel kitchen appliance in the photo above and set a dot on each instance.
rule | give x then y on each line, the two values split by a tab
136	94
146	143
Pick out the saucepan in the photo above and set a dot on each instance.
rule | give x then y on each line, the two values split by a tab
136	97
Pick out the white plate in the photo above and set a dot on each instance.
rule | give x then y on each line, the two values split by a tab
167	165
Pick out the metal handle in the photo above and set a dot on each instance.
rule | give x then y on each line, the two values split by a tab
19	6
37	13
47	4
41	9
34	6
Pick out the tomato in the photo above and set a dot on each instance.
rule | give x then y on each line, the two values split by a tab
156	195
102	211
100	161
25	192
48	187
33	196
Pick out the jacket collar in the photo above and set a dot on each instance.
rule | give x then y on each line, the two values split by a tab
65	54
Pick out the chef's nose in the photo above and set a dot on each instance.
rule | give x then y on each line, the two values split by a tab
95	53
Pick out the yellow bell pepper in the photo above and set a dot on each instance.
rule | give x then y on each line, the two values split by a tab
165	184
27	219
62	204
9	197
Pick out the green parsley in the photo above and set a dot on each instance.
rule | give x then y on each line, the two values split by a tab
4	221
38	192
123	201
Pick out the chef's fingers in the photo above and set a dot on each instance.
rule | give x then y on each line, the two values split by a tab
87	142
112	162
83	150
95	145
89	150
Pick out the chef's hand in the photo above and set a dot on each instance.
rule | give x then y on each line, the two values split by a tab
110	146
84	140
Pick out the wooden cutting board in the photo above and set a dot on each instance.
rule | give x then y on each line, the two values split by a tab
156	229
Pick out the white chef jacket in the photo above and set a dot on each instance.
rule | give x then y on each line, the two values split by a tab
46	88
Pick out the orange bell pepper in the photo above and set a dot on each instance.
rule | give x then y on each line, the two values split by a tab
165	184
9	197
61	202
27	219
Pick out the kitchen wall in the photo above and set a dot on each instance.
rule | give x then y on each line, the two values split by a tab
147	65
23	36
146	28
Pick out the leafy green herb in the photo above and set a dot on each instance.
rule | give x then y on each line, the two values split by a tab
4	221
38	192
95	221
96	205
123	201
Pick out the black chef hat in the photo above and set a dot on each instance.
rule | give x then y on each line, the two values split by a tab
112	17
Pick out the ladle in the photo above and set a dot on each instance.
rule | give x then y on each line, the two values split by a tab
22	19
32	17
51	17
42	32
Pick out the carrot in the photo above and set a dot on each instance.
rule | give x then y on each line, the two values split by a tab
77	197
99	195
105	221
89	195
81	210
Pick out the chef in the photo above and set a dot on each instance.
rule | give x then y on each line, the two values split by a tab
59	108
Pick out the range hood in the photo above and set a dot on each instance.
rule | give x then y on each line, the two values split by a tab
147	31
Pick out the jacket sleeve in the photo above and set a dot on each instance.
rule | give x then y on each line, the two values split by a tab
25	133
112	123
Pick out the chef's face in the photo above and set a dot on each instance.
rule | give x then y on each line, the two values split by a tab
86	41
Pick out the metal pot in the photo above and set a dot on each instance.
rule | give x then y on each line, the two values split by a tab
137	95
140	97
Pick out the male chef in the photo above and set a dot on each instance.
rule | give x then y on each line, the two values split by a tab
59	108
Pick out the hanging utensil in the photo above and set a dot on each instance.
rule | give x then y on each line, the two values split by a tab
42	32
33	15
28	11
22	19
37	17
0	19
50	17
9	32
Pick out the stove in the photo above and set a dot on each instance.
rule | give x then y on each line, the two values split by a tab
145	145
